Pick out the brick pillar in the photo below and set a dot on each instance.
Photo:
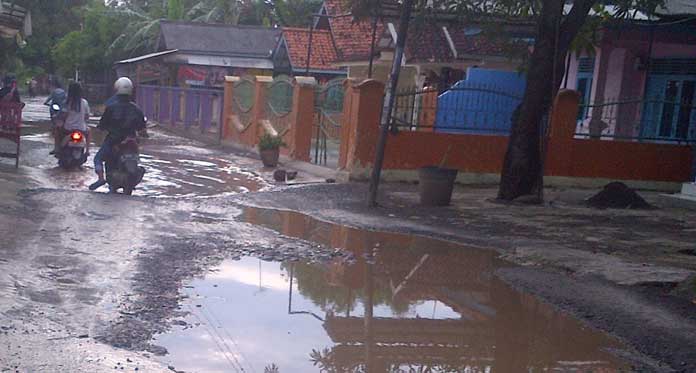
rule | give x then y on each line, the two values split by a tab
362	108
226	127
302	121
253	133
559	155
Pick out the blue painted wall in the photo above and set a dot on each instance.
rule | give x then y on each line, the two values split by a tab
483	103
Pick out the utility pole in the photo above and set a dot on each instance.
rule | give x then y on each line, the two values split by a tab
389	101
309	46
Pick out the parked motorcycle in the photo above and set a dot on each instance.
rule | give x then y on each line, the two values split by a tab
122	168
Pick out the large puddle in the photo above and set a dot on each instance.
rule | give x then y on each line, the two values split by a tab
401	304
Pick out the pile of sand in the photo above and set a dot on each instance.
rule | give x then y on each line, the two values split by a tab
618	195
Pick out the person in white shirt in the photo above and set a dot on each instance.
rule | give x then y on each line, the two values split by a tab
76	114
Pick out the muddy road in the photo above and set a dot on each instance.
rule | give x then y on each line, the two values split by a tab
184	276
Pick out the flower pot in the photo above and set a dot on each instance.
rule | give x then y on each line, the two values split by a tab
435	185
269	157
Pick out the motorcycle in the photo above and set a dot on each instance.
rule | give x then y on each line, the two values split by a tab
72	152
72	145
122	167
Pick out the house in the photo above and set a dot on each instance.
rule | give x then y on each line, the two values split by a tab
15	21
202	54
436	54
640	82
290	57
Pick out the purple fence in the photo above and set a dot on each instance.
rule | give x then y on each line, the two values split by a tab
185	107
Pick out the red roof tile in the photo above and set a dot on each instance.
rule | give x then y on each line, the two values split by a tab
353	38
323	51
427	43
477	44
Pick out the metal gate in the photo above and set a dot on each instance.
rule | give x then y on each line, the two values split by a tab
279	105
328	112
647	120
466	107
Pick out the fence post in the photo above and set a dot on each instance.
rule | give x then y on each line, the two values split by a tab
362	109
559	156
259	111
302	120
428	110
227	106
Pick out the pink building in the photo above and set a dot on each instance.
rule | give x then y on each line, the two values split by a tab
640	83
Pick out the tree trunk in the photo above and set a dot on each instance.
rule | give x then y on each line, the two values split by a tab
567	70
522	169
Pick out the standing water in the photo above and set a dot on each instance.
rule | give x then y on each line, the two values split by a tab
399	303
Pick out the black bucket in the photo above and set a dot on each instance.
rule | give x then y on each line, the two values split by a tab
435	185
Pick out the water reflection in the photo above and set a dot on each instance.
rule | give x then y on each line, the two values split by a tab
400	281
406	304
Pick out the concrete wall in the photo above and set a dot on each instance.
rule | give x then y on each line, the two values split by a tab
483	154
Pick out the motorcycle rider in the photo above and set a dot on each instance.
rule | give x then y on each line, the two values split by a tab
9	91
77	113
120	120
57	97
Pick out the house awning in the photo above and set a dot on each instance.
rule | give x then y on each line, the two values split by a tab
146	57
221	61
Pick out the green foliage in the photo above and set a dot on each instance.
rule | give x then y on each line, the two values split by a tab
51	20
270	142
175	9
296	13
70	51
257	12
8	58
89	48
215	11
92	34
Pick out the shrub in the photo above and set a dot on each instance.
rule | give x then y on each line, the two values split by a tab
270	142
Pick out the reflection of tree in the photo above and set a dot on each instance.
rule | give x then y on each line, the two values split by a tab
312	284
328	361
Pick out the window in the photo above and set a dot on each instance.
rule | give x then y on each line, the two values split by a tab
584	84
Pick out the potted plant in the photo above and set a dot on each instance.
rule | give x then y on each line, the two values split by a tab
435	183
269	149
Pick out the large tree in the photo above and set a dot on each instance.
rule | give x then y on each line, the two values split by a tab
88	49
51	20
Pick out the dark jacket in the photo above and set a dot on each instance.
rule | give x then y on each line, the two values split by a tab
9	91
121	120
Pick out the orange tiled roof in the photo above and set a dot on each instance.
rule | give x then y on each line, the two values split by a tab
323	51
425	43
353	38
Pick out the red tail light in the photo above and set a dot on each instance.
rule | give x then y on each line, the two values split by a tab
76	136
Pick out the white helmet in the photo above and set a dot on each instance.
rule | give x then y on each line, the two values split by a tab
123	86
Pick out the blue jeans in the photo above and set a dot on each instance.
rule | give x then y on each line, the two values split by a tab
103	153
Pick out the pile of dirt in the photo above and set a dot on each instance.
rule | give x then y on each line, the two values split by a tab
618	195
